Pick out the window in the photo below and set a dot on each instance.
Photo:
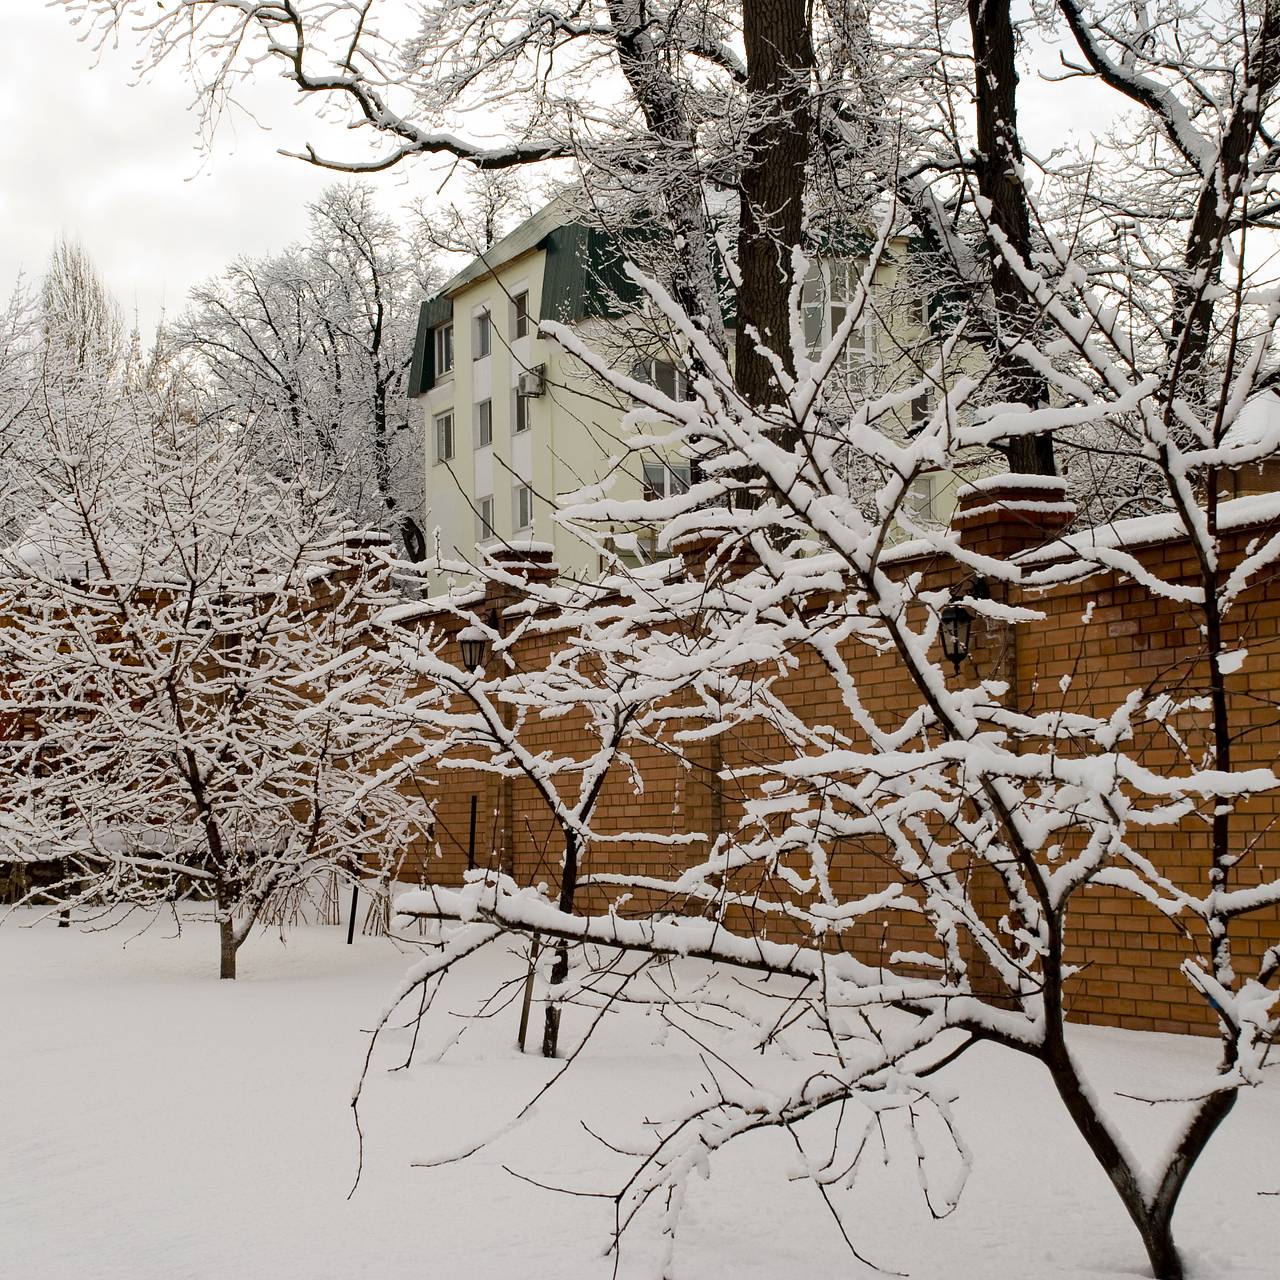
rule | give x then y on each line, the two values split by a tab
825	299
921	410
523	507
520	315
522	414
483	338
662	479
444	349
484	424
922	499
668	378
484	519
444	437
672	382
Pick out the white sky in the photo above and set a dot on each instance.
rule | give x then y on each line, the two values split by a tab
120	168
88	154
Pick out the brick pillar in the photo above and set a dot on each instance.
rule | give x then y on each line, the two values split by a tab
1003	517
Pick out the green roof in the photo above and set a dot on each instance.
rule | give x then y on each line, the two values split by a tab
582	277
526	237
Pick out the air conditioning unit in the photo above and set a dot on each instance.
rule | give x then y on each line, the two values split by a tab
533	382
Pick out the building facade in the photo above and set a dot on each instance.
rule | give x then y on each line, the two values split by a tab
513	423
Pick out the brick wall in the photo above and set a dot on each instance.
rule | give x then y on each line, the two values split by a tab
1104	633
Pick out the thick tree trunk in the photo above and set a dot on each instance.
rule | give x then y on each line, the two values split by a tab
779	68
228	946
999	165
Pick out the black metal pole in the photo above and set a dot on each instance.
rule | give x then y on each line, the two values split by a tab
351	924
471	838
528	991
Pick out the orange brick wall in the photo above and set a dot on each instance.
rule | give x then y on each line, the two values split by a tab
1129	953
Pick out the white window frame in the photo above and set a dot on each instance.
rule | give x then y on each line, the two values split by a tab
520	415
486	514
484	424
825	297
481	335
654	369
520	314
922	498
442	431
662	478
522	507
443	338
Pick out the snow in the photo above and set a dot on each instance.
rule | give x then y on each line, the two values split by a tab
1236	513
1257	426
1011	480
530	545
163	1125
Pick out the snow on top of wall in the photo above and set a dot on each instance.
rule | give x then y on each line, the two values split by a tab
1236	513
1010	480
530	545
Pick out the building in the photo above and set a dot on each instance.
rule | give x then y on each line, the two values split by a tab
513	422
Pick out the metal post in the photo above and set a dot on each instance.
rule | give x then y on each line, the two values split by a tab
528	990
351	924
471	838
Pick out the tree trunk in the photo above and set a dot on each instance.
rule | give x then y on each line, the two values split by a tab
1152	1215
228	947
560	970
779	68
999	164
551	1024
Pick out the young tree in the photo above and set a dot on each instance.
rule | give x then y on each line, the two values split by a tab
174	624
592	674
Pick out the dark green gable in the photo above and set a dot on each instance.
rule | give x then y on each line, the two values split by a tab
583	275
422	372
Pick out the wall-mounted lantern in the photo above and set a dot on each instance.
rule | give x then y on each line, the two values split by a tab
957	623
474	644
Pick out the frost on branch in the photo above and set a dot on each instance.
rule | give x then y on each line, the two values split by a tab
902	877
174	627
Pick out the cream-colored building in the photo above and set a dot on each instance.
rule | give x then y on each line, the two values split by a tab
512	422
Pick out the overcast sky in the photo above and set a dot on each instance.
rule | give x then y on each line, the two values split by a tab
87	154
121	168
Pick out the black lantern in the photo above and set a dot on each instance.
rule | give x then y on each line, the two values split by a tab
474	645
956	623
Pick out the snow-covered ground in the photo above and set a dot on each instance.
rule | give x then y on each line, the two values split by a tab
157	1124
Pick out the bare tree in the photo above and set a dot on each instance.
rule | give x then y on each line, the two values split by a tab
174	625
308	352
78	314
